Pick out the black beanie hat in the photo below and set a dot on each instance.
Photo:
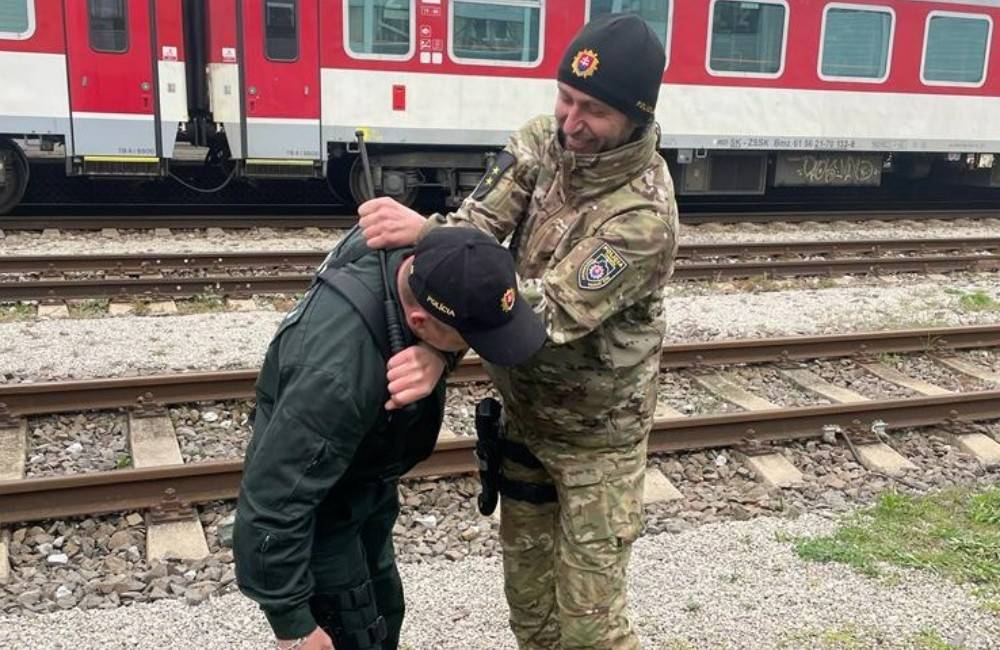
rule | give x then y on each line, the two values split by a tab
618	59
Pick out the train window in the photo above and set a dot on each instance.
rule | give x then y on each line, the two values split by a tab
496	31
747	39
281	31
379	28
654	12
955	49
108	24
856	43
17	19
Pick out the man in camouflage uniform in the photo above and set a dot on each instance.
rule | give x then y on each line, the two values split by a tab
590	205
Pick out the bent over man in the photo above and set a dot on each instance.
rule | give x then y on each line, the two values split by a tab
589	205
313	536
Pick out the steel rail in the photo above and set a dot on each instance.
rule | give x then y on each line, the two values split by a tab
193	221
798	348
153	263
834	247
179	221
17	400
247	285
834	267
140	489
796	216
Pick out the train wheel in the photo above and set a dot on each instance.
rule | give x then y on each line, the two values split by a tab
359	192
14	178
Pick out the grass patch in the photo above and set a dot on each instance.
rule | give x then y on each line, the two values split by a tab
283	303
888	358
88	308
123	461
758	284
931	640
975	300
17	311
842	638
203	303
954	533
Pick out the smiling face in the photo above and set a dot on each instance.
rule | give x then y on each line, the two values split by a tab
588	125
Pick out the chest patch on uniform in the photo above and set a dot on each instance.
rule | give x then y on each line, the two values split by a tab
600	268
503	162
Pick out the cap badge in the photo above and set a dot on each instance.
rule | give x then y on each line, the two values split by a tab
507	300
585	63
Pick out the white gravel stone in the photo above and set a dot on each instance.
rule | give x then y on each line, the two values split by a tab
736	585
181	241
112	346
105	347
700	312
838	231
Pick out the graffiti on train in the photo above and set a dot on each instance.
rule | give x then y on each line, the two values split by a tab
828	170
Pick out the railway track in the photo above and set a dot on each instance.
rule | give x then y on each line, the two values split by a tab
249	273
300	217
753	430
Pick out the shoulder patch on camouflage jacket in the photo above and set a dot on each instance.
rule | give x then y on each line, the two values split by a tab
503	162
600	268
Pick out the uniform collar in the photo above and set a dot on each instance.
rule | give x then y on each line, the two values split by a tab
591	175
394	259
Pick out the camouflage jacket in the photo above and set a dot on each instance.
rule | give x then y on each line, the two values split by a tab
594	238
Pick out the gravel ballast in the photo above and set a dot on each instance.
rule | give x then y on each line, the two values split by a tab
230	239
730	585
111	347
178	241
50	349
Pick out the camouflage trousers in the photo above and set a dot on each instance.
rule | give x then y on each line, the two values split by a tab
565	562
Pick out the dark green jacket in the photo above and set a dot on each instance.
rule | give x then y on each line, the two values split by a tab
320	422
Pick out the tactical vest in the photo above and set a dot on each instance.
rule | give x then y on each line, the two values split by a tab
398	440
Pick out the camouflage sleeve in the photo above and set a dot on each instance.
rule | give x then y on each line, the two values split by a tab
630	257
501	198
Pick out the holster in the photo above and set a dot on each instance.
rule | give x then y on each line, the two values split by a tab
351	618
489	432
491	448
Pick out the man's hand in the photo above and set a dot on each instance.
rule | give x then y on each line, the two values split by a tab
386	223
413	374
317	640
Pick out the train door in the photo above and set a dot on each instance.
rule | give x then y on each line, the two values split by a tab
281	92
112	79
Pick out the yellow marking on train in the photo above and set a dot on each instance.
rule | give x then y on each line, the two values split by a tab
152	160
278	161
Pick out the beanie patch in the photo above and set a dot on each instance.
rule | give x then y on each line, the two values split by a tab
585	63
617	59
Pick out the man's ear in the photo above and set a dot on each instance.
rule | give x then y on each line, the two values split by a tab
417	317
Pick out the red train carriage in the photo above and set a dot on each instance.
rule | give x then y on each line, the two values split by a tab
756	94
